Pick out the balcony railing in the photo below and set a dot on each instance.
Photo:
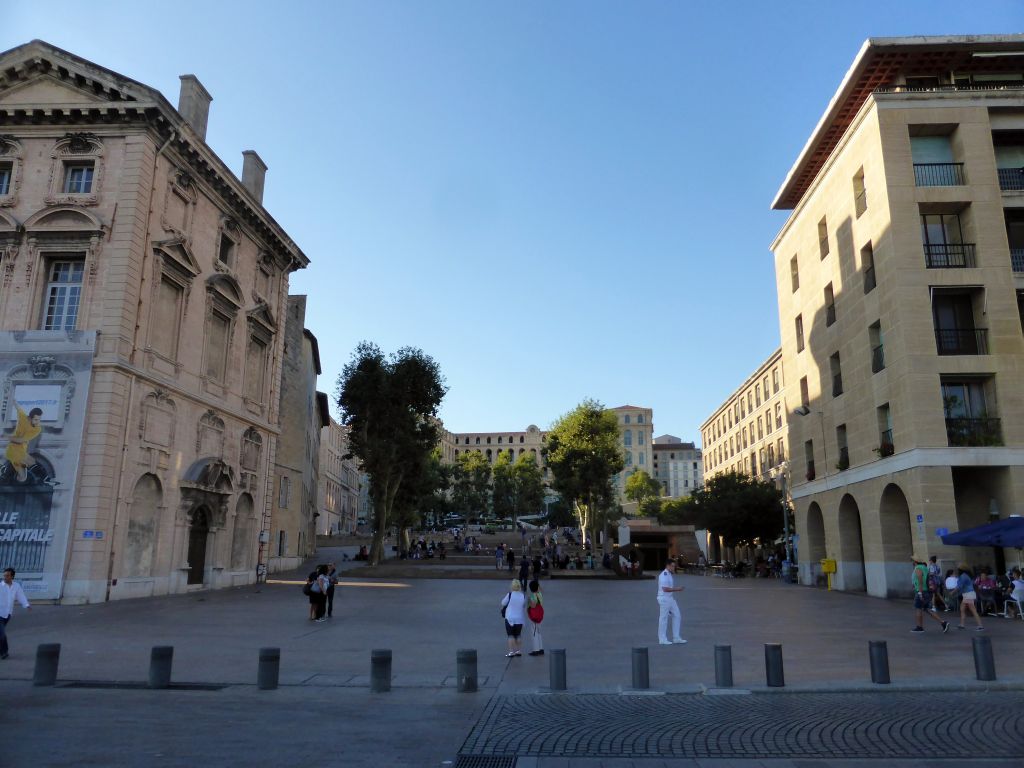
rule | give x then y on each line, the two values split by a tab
961	341
877	358
886	447
1017	259
837	385
1011	179
830	314
974	432
869	279
938	174
949	255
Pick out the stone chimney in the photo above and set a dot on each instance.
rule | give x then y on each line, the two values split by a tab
194	104
254	172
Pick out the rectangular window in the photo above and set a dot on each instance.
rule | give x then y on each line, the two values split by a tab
757	394
217	332
877	350
860	195
775	381
830	305
642	456
768	421
627	437
867	260
255	370
760	428
968	405
844	450
886	447
837	375
778	415
78	178
744	437
933	161
63	295
6	172
771	455
823	236
809	458
794	273
780	450
163	337
799	333
284	491
226	250
942	236
805	399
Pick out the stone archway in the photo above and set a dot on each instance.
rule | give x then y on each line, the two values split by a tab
850	574
198	535
893	573
812	550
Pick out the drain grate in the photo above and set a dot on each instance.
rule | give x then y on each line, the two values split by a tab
486	761
131	686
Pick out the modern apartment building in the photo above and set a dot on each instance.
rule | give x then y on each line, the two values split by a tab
636	436
678	466
124	234
900	276
747	433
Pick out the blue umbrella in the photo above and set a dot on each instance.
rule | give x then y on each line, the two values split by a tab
1002	533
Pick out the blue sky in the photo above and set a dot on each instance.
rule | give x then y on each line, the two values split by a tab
555	200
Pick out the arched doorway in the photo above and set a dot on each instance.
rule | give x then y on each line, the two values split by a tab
812	551
850	573
897	545
198	533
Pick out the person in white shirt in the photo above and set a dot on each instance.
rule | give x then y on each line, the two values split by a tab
10	590
667	605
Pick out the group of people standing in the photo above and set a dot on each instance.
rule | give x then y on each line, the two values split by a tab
932	590
517	607
320	586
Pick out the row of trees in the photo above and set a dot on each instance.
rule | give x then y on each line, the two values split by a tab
390	405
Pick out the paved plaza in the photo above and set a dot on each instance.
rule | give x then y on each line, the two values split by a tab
829	713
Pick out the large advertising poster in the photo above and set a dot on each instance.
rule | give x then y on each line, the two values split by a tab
44	388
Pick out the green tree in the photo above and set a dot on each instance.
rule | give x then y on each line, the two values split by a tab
643	489
503	487
529	484
390	405
734	506
583	455
471	484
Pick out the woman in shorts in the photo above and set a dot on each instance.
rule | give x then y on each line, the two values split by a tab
967	597
514	605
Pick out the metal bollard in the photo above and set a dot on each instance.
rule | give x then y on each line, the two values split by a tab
723	666
773	665
878	652
556	669
47	659
380	670
984	663
641	670
269	669
465	669
160	660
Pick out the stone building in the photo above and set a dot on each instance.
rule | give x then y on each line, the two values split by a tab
490	444
747	432
339	482
117	219
678	466
636	436
900	279
293	523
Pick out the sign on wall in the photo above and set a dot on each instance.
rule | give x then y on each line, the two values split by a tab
44	387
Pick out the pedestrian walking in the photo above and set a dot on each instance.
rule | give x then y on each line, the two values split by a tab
535	613
922	597
318	594
510	559
967	597
668	608
513	608
499	557
935	584
524	572
332	582
10	592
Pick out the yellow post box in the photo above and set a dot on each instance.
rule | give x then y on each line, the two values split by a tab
828	567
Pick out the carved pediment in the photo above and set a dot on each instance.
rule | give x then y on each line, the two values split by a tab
178	255
7	224
263	316
225	286
64	219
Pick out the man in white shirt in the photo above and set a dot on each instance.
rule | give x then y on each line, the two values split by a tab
10	590
667	605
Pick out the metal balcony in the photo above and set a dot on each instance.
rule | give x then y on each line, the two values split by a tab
949	256
961	341
976	432
939	174
1011	179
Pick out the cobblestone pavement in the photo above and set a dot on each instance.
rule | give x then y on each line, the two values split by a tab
826	726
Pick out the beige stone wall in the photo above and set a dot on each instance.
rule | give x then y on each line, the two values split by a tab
636	438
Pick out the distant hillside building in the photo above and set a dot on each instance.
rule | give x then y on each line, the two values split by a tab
678	466
636	435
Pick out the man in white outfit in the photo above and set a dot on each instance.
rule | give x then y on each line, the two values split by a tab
10	592
668	606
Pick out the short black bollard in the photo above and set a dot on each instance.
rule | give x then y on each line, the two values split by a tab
878	652
773	665
984	663
641	669
465	669
47	659
269	669
723	666
380	670
160	660
556	669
